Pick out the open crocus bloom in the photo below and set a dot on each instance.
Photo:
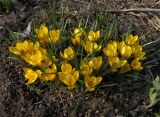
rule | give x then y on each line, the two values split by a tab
50	73
21	48
111	49
42	34
85	68
116	63
91	82
96	63
68	75
68	53
130	39
31	75
136	65
93	36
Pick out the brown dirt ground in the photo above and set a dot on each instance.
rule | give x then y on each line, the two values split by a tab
18	100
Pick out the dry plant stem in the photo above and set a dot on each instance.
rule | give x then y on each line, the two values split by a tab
123	10
118	11
136	10
81	1
153	103
151	42
158	2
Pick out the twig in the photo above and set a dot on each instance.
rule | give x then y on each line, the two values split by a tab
117	11
136	10
152	61
151	42
158	2
155	25
81	1
108	85
153	53
153	103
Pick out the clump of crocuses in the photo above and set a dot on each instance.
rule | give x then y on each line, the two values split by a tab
80	58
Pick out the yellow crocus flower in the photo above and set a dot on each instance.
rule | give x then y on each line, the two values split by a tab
125	68
78	32
33	55
76	40
68	75
66	68
140	56
126	51
42	34
46	61
91	82
34	58
21	48
96	63
111	49
97	47
28	51
120	45
50	73
31	75
93	36
54	35
89	46
136	65
54	58
130	39
116	63
138	52
68	53
85	68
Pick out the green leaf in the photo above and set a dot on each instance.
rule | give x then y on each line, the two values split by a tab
157	114
5	4
156	83
152	95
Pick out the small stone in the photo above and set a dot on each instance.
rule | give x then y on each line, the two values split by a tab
133	113
116	110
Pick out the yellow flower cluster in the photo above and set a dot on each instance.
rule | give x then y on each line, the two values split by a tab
68	75
31	53
86	69
124	55
89	43
68	53
78	59
45	36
